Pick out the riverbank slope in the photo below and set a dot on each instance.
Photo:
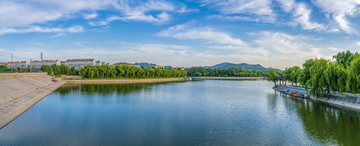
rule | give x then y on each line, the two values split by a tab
20	92
344	100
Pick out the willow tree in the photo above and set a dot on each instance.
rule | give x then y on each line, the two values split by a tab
272	76
287	74
304	77
292	74
295	74
317	82
332	73
353	83
343	75
344	58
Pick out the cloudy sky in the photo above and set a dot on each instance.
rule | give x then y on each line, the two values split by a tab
276	33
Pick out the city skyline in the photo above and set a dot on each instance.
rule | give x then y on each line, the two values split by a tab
273	33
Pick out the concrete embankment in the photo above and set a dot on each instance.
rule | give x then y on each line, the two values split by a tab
229	78
20	92
125	81
344	100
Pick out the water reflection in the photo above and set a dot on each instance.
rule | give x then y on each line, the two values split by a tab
207	112
331	125
104	89
325	123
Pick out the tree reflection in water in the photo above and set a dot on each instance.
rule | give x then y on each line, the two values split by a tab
104	89
332	125
322	122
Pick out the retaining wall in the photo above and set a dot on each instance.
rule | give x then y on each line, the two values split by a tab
344	100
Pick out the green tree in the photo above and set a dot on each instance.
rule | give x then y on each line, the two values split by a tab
317	82
344	58
272	76
305	76
353	83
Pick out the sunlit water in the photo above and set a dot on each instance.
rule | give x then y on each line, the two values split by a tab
208	112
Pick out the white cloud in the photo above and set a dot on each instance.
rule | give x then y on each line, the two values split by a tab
301	15
90	16
357	43
234	18
14	13
58	35
340	10
25	13
73	29
149	11
287	5
207	34
162	54
261	8
288	50
274	49
185	9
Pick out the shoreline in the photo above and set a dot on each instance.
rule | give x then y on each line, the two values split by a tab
15	104
346	100
229	78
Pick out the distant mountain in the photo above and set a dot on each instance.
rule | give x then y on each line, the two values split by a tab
144	64
245	66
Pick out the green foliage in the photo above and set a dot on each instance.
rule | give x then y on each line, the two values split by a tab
5	69
305	74
321	77
223	72
292	74
58	70
317	82
272	76
353	83
344	58
127	71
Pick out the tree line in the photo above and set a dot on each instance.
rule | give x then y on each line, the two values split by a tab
5	69
58	70
321	76
223	72
128	71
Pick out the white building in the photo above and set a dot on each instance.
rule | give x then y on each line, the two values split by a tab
15	65
98	63
105	63
79	63
36	64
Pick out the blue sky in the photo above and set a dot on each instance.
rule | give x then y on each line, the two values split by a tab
276	33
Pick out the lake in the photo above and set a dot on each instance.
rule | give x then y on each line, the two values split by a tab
206	112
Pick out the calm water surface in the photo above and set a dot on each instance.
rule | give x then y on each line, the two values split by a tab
208	112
